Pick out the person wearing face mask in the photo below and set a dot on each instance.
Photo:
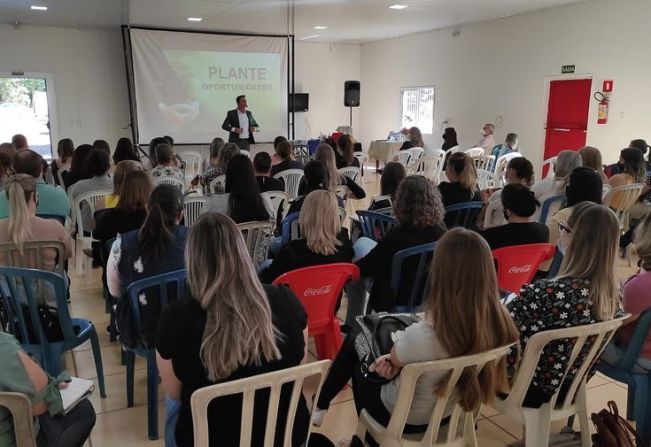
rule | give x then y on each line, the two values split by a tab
510	145
488	141
449	139
519	206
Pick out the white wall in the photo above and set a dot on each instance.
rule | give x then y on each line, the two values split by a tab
500	69
89	77
321	70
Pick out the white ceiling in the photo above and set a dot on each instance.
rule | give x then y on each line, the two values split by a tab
347	20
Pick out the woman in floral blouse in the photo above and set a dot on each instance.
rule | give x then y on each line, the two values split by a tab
584	292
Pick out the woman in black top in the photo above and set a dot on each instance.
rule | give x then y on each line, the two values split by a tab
313	180
519	205
414	139
284	153
124	150
65	150
323	239
449	138
229	327
393	174
78	166
326	155
419	212
462	187
345	153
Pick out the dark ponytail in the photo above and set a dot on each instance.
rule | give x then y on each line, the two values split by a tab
157	232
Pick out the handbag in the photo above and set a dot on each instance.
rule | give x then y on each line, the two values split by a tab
612	429
375	336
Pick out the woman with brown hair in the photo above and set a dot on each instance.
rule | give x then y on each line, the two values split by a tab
121	170
591	158
345	153
326	156
229	327
65	150
463	316
414	138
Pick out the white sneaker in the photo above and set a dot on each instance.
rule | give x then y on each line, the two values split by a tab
317	417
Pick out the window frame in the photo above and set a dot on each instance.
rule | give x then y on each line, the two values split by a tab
418	89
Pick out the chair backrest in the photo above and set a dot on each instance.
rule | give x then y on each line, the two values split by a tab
247	153
161	283
494	215
622	198
605	191
217	185
475	152
486	179
279	202
589	339
60	177
192	206
247	388
18	290
362	157
352	172
416	153
550	164
423	256
257	236
454	149
500	164
463	214
550	206
170	180
460	421
403	157
318	289
193	163
431	165
375	224
636	342
87	199
20	407
290	229
517	265
484	162
292	179
33	255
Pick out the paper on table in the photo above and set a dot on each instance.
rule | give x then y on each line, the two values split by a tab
77	390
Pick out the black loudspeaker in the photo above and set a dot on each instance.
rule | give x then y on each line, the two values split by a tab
351	93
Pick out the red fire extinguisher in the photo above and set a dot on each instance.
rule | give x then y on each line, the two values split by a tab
602	115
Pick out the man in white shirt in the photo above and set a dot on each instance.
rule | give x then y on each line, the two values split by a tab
488	142
240	125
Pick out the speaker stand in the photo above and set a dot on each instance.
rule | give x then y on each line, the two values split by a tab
350	119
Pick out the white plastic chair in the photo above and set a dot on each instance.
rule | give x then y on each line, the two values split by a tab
278	199
362	158
292	179
494	216
273	381
352	172
403	157
416	153
453	149
431	165
500	166
247	153
169	180
484	162
475	152
459	431
193	163
257	236
606	190
551	162
87	199
537	421
217	185
486	179
625	196
20	407
192	206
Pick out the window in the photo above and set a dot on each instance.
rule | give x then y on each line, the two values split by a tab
418	108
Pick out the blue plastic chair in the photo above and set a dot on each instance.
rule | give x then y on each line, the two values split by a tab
375	225
134	289
463	214
424	253
16	283
639	385
289	228
547	204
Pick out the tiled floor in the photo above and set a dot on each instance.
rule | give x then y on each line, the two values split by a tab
118	425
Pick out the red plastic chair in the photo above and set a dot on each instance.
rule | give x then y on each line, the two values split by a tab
517	265
318	289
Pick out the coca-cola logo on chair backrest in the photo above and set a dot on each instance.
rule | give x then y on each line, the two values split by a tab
323	290
520	269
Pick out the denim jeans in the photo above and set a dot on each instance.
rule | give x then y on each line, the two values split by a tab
70	430
172	409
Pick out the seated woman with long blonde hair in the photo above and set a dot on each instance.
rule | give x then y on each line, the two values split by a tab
323	240
458	311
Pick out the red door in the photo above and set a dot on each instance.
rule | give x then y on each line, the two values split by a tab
567	115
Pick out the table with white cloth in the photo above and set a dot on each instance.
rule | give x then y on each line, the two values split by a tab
383	150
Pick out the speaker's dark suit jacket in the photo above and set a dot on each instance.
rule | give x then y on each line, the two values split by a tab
232	120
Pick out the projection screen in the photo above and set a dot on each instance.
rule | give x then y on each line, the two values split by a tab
186	82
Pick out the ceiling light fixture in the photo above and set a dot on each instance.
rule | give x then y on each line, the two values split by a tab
320	27
312	36
39	8
398	7
194	19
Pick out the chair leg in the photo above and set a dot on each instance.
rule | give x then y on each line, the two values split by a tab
584	419
536	426
97	354
152	395
131	365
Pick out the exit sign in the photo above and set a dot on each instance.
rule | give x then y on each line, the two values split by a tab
568	69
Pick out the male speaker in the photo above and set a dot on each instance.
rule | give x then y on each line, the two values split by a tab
351	93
